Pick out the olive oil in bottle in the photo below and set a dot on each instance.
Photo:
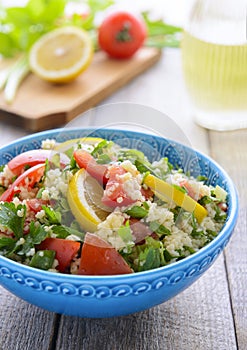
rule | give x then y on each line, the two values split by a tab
214	55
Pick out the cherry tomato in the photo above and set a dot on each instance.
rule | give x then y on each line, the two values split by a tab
65	250
98	257
114	193
86	160
30	158
28	179
121	34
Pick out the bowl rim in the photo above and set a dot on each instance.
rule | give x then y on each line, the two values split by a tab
224	234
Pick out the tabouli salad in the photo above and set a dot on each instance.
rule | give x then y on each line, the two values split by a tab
90	207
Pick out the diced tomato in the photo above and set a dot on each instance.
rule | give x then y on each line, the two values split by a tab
31	158
86	161
5	235
28	179
147	193
98	257
65	250
35	204
114	193
190	190
139	230
223	206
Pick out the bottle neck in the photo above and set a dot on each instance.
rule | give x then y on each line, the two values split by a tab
218	21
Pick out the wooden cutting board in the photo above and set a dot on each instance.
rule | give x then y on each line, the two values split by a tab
40	105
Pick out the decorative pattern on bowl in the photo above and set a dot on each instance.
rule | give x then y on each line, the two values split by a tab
107	296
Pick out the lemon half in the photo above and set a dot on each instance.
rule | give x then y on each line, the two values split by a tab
84	197
62	54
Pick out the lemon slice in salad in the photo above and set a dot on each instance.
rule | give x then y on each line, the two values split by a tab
62	54
87	142
165	191
84	197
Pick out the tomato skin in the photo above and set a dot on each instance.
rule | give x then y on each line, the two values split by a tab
33	174
33	157
147	193
65	250
86	160
114	189
190	190
114	193
35	204
121	34
98	257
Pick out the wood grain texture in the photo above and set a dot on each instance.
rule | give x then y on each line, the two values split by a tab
198	318
230	150
23	326
40	105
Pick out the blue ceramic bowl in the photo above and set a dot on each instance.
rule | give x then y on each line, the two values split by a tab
108	296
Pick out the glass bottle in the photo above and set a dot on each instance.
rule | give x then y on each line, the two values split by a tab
214	55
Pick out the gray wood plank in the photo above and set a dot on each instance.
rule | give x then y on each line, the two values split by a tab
198	318
24	326
230	150
9	133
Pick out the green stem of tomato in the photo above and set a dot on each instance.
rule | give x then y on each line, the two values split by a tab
124	35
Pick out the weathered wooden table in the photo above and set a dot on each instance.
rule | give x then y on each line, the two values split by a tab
212	313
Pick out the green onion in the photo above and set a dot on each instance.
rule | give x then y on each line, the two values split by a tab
15	77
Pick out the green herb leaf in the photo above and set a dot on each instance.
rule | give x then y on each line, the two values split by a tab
69	152
137	212
43	259
22	26
55	160
205	200
211	234
65	231
179	188
168	257
104	159
161	34
202	178
36	235
144	167
7	243
98	149
161	230
102	152
132	155
9	217
149	259
197	234
125	233
53	217
220	216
